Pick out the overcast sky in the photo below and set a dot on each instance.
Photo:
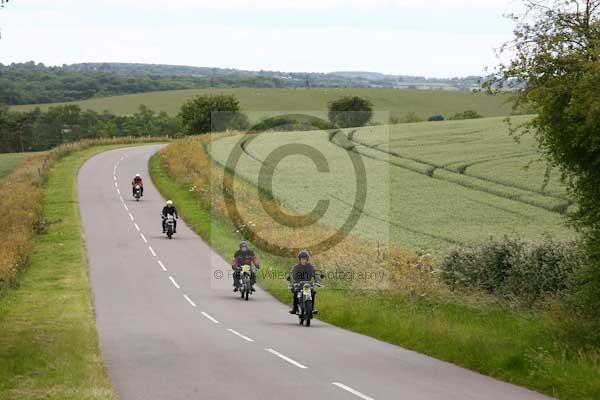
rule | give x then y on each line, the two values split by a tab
436	38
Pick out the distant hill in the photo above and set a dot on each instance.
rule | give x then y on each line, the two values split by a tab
290	79
35	83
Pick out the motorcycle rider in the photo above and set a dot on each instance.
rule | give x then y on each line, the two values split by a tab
243	256
302	272
137	180
169	209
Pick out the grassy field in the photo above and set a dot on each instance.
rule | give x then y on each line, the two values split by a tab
476	148
8	161
48	340
397	102
521	346
428	185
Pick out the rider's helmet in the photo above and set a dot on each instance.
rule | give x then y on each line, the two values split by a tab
169	202
303	254
244	243
137	175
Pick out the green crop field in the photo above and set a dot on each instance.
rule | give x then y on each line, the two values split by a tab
8	161
429	185
397	101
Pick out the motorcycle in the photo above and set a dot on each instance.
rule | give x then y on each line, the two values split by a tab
245	281
137	192
170	226
304	291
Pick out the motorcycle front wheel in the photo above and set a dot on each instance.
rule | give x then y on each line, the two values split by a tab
308	307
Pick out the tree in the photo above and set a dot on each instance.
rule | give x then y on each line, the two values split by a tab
467	114
436	117
57	125
555	53
350	111
211	113
9	130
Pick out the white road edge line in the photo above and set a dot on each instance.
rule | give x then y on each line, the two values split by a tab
246	338
152	251
174	283
136	226
162	265
143	238
117	186
189	300
131	217
125	205
297	364
354	392
209	317
121	198
118	191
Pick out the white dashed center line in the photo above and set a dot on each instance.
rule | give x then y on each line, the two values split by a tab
353	391
189	300
143	238
286	358
209	317
152	251
162	265
125	205
174	283
136	226
131	217
246	338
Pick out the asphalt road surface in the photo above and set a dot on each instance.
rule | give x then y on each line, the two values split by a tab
169	331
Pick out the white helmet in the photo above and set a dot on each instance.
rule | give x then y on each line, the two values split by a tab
169	203
137	175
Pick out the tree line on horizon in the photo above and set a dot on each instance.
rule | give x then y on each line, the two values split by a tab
32	83
36	83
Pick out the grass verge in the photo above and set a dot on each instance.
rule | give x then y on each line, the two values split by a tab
524	347
48	339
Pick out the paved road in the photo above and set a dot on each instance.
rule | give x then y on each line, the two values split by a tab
166	332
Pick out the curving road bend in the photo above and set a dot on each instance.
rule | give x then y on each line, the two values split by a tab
167	331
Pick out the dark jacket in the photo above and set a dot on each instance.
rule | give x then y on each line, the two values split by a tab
303	273
137	181
244	258
169	210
